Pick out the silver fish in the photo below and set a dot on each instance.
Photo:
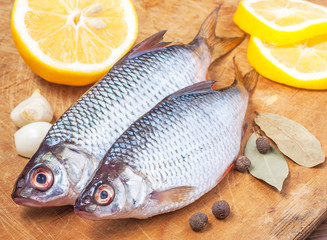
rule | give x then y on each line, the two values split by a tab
77	142
171	156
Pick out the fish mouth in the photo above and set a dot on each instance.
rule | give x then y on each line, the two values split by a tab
85	214
20	200
26	202
85	210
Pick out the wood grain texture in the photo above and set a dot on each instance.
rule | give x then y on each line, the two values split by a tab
320	233
258	211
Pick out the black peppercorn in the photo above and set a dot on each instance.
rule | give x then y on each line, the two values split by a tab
197	221
263	144
220	209
242	164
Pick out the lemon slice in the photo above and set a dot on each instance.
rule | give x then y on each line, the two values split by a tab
281	21
302	65
73	42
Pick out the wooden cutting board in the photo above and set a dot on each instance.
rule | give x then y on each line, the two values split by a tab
258	211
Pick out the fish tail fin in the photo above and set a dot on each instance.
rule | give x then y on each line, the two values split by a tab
246	83
219	46
249	81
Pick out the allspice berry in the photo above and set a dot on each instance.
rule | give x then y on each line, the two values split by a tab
263	144
220	209
242	164
198	221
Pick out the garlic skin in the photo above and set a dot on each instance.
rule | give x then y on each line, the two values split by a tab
34	109
29	138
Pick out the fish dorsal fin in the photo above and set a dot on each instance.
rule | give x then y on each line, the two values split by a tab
152	43
220	88
200	87
173	195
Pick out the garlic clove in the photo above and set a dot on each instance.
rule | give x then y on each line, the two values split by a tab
29	138
33	109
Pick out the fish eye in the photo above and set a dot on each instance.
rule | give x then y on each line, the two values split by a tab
42	179
104	194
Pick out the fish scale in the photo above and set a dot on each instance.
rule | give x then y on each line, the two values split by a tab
174	169
79	139
186	141
118	98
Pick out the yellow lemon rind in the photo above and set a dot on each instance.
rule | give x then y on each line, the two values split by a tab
254	26
276	73
55	75
61	73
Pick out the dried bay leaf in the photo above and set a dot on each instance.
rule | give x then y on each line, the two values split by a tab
292	139
270	167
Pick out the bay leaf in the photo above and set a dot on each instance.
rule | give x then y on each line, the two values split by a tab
292	139
270	167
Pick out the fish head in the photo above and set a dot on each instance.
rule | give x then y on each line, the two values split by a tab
112	196
53	177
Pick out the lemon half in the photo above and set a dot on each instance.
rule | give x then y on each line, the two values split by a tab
281	21
73	42
302	65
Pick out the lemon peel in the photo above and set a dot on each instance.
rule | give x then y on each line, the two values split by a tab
73	44
281	22
302	65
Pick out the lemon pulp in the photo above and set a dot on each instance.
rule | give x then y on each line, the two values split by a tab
73	42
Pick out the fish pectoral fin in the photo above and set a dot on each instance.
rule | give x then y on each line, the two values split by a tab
152	43
174	195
